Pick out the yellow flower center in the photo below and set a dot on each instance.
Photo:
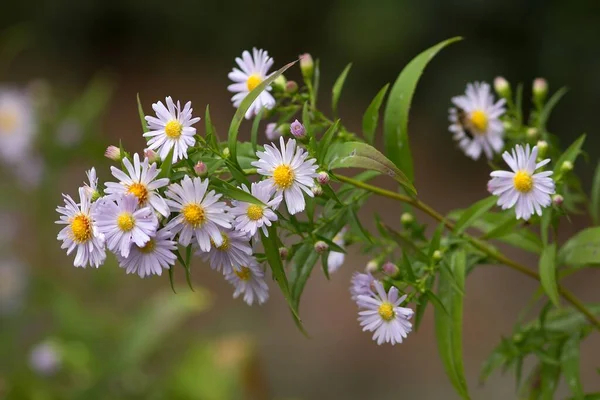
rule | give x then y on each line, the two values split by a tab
283	176
244	273
386	311
8	121
81	228
253	81
148	247
125	221
523	182
479	120
254	212
194	215
139	191
173	129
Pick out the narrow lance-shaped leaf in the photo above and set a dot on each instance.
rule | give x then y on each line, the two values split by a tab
325	141
371	116
337	89
302	265
395	120
548	273
141	114
471	214
595	197
255	126
244	106
211	133
569	155
570	360
236	193
545	114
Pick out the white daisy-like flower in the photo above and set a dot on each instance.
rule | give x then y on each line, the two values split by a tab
288	172
233	252
254	70
250	281
530	192
172	129
124	223
140	180
200	214
476	123
151	258
91	186
336	259
383	315
249	217
17	124
81	232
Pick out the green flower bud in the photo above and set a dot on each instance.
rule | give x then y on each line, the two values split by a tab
407	219
502	87
566	166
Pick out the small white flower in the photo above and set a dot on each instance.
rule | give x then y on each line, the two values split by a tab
233	252
476	121
151	258
200	213
249	217
254	70
249	280
172	129
336	259
124	223
383	315
91	187
140	180
17	124
530	192
288	172
362	284
81	232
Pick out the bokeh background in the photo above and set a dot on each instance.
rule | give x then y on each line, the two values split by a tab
121	337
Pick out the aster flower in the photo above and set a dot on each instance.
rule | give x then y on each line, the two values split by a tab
288	172
249	217
272	131
124	223
92	186
527	191
476	123
254	70
233	252
172	129
81	232
362	284
336	259
151	258
200	214
17	124
250	281
140	181
383	315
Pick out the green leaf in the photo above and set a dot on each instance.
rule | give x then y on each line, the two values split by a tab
569	155
302	264
435	240
550	373
167	164
244	106
362	155
582	249
545	114
355	222
142	115
448	326
504	228
471	214
254	131
570	365
325	141
171	278
395	119
186	267
437	303
337	89
211	133
595	197
371	116
548	273
236	193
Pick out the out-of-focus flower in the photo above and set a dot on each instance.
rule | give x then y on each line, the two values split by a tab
29	170
13	281
476	123
249	281
521	188
17	124
150	259
407	219
557	200
362	284
69	133
372	267
44	358
390	269
249	217
272	132
232	254
502	87
336	259
291	87
253	70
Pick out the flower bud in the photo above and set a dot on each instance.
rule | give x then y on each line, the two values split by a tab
532	133
437	255
372	266
113	153
540	89
307	66
200	169
226	152
280	83
407	219
566	166
151	155
557	200
507	125
291	87
298	130
323	178
542	146
317	190
284	253
502	87
321	247
390	269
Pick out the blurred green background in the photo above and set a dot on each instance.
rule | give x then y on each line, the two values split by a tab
120	337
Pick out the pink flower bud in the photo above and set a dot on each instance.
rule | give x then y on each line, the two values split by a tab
298	130
113	153
200	169
323	178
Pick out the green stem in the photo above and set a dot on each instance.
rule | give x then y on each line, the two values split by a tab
501	258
